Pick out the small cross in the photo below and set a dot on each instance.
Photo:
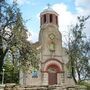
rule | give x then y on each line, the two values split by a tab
49	6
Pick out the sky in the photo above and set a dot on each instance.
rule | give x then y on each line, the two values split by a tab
68	10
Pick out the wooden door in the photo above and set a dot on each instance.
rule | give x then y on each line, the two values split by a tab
52	78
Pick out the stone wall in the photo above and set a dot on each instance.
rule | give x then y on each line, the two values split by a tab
44	87
2	87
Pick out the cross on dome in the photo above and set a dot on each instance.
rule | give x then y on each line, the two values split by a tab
49	6
48	10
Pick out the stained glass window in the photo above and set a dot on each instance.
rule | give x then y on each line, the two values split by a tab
34	73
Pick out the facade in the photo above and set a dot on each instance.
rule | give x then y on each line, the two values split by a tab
53	59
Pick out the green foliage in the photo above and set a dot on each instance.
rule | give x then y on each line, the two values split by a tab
11	73
13	40
8	15
78	51
8	18
85	84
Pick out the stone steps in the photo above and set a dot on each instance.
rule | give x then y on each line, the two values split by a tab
47	87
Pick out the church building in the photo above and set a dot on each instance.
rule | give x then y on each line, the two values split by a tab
53	58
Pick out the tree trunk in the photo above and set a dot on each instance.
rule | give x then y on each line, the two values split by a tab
1	54
1	62
73	72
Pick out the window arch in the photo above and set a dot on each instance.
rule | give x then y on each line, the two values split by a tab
56	20
44	18
41	21
51	18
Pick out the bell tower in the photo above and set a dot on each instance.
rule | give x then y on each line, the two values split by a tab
49	16
50	38
51	47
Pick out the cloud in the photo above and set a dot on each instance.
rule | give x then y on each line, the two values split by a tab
34	36
83	3
21	2
28	36
87	29
83	9
66	18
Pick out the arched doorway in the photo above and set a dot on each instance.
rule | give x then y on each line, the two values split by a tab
52	74
53	68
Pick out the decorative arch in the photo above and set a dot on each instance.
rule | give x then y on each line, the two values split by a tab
53	63
52	67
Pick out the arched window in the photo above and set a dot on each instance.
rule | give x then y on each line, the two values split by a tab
34	73
44	18
41	21
56	20
51	18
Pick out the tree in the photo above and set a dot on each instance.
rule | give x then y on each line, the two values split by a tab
79	51
11	74
13	37
8	14
27	53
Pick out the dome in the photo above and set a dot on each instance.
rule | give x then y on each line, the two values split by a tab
48	10
49	16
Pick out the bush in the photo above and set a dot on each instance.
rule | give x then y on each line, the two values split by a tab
86	84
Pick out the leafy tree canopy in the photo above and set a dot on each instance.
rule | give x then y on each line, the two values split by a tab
79	51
